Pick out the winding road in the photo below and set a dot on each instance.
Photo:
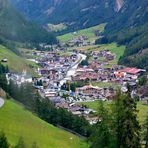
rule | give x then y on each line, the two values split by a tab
1	102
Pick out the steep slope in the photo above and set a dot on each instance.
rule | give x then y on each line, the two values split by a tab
84	13
16	122
13	59
133	13
119	5
14	27
130	27
75	13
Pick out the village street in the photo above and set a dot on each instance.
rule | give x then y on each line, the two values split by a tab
1	102
73	68
67	81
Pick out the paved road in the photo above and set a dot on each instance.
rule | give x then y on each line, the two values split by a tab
1	102
73	68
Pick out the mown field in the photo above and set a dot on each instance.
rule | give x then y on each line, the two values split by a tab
17	122
141	106
89	32
15	62
58	27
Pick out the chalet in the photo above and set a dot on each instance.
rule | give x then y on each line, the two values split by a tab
84	70
50	73
131	71
89	90
48	93
90	76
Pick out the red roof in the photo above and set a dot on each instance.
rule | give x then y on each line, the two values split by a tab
130	70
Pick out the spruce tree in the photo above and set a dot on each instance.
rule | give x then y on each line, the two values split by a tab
126	126
101	138
146	132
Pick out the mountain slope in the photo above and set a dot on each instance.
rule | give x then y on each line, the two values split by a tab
13	59
130	27
16	122
83	13
14	27
74	13
133	13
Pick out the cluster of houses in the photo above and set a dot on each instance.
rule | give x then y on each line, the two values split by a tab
106	54
95	92
54	67
96	72
79	41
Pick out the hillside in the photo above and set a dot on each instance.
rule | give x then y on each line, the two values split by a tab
13	26
15	121
131	15
13	59
75	14
88	32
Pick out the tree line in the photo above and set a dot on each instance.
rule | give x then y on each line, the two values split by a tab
119	127
46	110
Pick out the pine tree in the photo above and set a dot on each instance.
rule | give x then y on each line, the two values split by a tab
146	132
3	141
127	129
101	138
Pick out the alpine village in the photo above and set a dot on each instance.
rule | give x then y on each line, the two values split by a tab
73	74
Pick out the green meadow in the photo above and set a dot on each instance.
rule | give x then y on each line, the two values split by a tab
141	106
17	122
15	62
58	27
89	32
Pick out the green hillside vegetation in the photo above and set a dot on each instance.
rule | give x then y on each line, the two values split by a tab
14	26
76	13
142	114
89	32
136	47
56	28
17	122
15	62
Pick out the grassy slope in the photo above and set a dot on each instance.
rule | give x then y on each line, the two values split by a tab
143	109
15	63
89	32
58	27
15	121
